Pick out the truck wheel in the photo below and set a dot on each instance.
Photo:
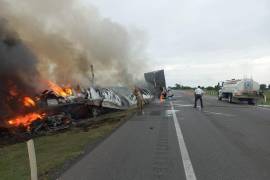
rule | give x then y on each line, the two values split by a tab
230	98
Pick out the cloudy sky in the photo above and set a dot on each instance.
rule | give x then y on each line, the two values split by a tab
199	42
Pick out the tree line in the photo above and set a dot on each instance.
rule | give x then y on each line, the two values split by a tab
177	86
264	87
182	87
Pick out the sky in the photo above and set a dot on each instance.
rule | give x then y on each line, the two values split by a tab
199	42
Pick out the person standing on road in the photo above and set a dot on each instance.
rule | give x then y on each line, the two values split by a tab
139	98
198	93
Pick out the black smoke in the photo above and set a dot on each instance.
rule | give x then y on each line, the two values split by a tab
18	71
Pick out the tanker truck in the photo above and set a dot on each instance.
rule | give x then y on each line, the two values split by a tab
240	90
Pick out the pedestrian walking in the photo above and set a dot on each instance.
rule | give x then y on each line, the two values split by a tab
198	93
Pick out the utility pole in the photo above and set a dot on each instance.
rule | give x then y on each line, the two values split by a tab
92	78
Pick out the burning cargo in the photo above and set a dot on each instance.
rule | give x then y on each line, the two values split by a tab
57	109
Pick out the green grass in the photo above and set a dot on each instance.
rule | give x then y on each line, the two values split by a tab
267	94
211	92
53	151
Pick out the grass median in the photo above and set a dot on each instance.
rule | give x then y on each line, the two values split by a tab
53	151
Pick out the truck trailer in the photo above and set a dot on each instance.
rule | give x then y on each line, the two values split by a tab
155	81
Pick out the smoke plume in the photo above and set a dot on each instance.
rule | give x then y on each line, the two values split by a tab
18	70
65	38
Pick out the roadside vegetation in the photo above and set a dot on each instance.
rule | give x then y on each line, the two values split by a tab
55	150
210	90
266	91
267	94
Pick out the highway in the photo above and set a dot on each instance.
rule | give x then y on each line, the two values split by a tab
172	140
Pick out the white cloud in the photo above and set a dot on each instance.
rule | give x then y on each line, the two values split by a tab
200	42
205	74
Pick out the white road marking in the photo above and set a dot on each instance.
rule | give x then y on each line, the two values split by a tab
184	105
170	112
264	108
267	106
221	114
190	175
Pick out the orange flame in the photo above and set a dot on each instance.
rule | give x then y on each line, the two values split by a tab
25	120
161	98
68	91
28	102
59	90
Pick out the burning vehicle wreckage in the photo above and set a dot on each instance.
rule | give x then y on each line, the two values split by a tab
24	68
62	107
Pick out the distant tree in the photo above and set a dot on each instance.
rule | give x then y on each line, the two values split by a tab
177	86
268	86
210	88
262	86
217	87
186	87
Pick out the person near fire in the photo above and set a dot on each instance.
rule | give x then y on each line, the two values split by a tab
163	94
198	93
139	98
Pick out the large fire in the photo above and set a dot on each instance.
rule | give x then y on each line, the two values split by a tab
60	91
28	102
25	120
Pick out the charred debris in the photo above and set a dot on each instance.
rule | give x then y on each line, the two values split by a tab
53	110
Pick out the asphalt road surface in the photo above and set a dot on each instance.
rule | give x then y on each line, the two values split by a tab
174	141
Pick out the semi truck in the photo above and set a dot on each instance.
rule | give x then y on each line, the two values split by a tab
237	90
